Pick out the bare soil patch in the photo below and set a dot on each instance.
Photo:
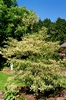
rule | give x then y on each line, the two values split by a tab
1	95
61	95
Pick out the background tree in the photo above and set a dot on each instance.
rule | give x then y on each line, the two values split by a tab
3	12
46	23
57	30
16	22
10	3
37	26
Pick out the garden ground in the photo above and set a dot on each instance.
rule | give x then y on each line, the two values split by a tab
61	94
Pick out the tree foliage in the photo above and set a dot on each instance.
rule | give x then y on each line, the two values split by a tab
34	62
57	30
3	11
15	21
10	3
34	57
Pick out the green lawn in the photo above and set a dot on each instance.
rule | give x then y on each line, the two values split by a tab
3	79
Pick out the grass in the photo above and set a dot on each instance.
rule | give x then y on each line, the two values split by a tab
3	79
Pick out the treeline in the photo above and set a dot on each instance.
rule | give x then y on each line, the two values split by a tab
56	30
17	21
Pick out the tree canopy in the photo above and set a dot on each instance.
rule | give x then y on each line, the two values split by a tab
10	3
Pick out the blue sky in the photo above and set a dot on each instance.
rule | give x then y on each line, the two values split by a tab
51	9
